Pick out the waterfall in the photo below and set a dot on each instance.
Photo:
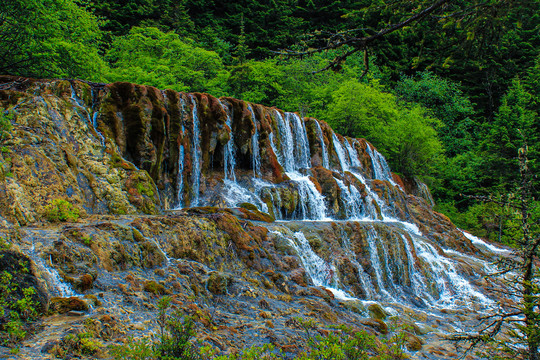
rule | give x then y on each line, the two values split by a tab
381	170
312	206
374	257
255	153
345	163
477	241
326	162
229	152
89	119
55	284
235	194
322	273
351	200
301	152
353	155
402	265
286	153
340	153
294	155
364	278
452	288
94	120
181	156
180	176
196	158
52	278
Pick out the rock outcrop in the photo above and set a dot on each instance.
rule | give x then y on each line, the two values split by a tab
176	194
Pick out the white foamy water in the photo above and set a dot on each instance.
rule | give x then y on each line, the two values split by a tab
195	155
453	289
321	272
479	242
312	206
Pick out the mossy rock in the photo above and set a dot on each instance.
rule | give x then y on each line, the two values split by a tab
413	342
255	215
355	306
85	282
218	282
154	287
23	277
376	324
377	312
248	206
63	305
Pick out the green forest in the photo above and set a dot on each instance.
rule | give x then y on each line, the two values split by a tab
448	97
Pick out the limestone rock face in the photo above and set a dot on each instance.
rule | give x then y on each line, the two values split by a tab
23	276
130	149
246	217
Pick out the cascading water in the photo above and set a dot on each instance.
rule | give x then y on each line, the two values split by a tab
353	155
301	148
55	285
321	273
352	201
381	170
450	285
195	155
343	161
375	257
255	153
347	164
312	206
90	119
325	161
181	157
229	151
180	176
399	269
294	155
477	241
285	154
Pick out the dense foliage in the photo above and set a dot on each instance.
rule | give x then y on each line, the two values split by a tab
450	97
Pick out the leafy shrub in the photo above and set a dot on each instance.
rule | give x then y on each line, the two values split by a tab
5	124
134	349
176	333
61	210
174	341
18	309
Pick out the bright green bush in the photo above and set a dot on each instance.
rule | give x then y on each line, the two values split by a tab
149	56
5	123
50	38
406	135
61	210
18	309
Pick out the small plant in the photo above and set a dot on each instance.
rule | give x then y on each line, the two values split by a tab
5	123
18	309
174	341
133	349
87	240
176	333
144	189
61	210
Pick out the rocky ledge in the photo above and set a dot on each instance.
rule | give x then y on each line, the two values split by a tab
261	227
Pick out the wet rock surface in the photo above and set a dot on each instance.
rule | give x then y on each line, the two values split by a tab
249	218
243	284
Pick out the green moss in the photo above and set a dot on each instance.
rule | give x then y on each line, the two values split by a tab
117	161
90	346
145	188
248	206
154	288
61	210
